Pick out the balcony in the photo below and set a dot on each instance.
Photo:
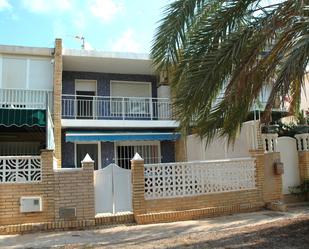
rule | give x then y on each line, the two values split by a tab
109	111
115	108
26	99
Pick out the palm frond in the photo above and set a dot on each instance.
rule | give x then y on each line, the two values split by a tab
223	53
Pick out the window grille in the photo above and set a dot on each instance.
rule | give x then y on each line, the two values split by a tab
125	152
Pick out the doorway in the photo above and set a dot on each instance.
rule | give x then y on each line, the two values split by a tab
93	149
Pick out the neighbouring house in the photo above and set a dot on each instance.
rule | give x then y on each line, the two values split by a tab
26	101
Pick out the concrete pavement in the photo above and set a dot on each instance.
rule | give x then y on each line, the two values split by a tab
137	235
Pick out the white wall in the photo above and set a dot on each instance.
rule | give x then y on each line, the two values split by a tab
26	72
219	149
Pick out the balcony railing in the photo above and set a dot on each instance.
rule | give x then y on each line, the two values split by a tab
25	99
115	108
260	105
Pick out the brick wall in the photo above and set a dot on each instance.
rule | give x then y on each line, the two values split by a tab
272	184
62	188
303	157
11	193
74	188
197	206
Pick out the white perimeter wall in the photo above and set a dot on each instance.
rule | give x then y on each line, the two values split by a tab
219	149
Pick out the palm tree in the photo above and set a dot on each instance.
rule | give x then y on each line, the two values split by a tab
221	53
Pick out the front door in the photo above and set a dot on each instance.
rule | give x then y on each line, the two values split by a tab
85	103
83	149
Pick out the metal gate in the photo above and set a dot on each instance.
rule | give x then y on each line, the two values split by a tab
112	189
289	157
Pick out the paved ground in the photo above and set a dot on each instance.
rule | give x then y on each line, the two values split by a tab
265	229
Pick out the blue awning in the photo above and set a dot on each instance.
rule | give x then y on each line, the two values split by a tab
82	136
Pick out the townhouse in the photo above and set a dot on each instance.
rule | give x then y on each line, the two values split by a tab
114	105
110	105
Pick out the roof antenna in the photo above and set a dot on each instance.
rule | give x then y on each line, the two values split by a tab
82	39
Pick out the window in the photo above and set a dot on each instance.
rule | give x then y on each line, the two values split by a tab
150	151
130	89
34	73
40	74
85	91
11	79
130	98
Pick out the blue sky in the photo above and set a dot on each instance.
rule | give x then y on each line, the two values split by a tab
108	25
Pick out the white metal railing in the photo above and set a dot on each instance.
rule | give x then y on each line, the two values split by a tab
170	180
261	105
26	99
270	142
20	169
302	142
101	107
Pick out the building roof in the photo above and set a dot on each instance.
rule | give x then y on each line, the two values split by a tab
91	60
23	50
107	62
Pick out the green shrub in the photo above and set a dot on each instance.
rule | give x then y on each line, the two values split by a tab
302	190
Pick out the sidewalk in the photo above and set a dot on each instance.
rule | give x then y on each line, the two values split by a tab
148	236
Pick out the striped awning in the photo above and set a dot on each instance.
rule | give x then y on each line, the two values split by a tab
22	117
82	136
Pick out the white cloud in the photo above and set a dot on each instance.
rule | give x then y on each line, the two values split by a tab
44	6
5	5
105	10
127	43
79	21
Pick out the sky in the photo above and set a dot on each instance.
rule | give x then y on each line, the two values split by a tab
107	25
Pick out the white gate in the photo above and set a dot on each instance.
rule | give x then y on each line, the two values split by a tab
112	190
289	157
